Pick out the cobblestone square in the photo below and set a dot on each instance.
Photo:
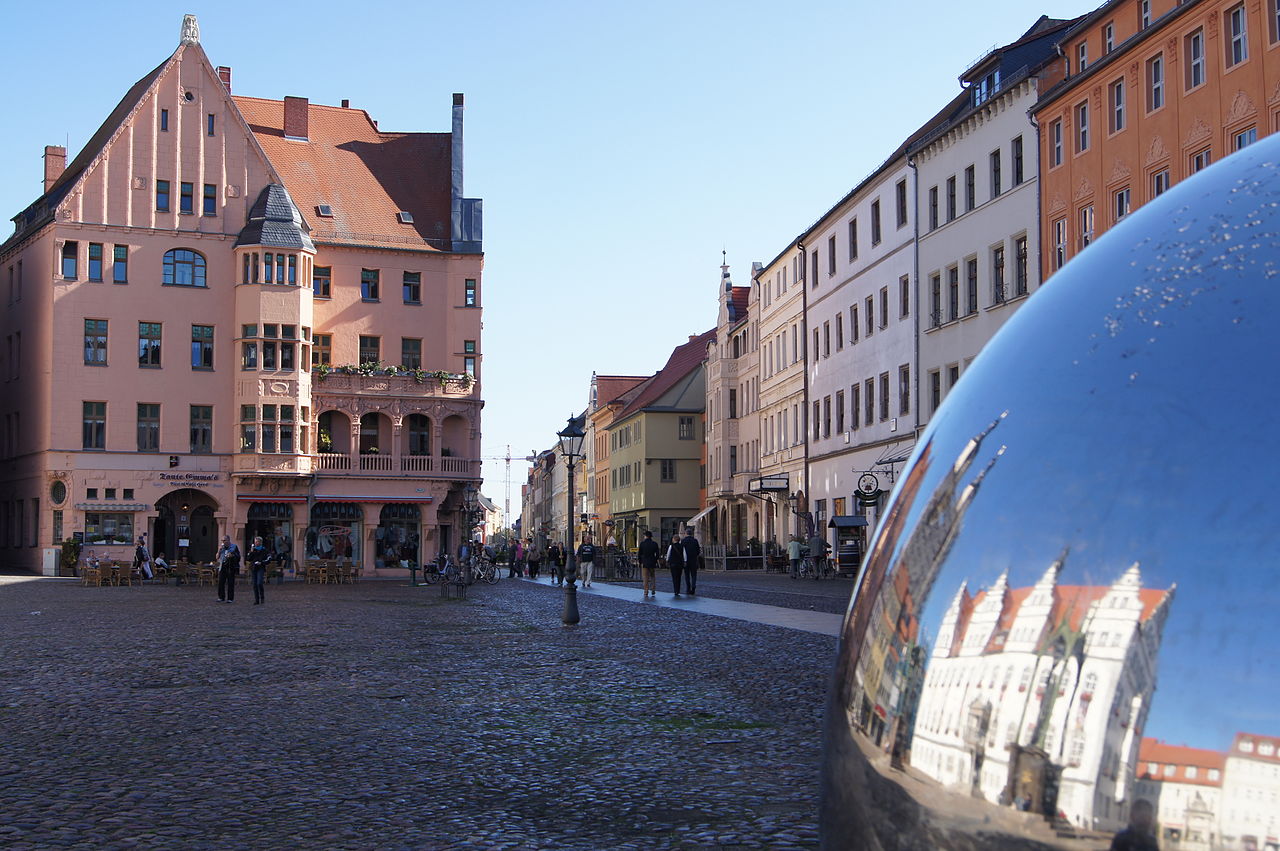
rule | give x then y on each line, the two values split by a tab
380	715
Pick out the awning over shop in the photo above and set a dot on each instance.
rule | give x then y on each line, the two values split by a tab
252	498
847	521
356	499
701	514
112	506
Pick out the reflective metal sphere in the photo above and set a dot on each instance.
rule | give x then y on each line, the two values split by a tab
1066	624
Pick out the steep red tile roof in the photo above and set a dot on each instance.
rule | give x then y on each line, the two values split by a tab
739	296
610	387
1258	744
1155	752
684	359
366	176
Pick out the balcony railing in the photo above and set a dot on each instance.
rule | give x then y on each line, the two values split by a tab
375	463
404	465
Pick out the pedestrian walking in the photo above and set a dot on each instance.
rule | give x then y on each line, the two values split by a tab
675	561
516	565
555	563
534	557
648	555
228	559
258	558
692	561
586	560
793	556
817	552
142	558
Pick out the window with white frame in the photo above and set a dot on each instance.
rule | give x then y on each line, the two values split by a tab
1086	225
1245	138
1055	143
1115	96
1145	13
1237	36
1159	183
1108	37
1059	230
1155	82
1122	203
1194	50
1200	160
1082	55
1082	127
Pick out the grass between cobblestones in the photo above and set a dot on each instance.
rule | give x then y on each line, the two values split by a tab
381	716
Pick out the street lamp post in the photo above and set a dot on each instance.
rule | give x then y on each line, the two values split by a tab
571	448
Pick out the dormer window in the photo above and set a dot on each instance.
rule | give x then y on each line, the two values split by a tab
986	87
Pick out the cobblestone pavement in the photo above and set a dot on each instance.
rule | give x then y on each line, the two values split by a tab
382	716
772	589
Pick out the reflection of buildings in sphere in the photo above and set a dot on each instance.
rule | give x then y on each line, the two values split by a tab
1208	799
1063	671
889	664
1184	785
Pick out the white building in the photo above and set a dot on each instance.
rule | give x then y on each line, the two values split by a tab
1067	670
976	183
1184	785
1250	811
861	320
782	391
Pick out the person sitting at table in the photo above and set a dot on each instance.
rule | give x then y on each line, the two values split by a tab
161	566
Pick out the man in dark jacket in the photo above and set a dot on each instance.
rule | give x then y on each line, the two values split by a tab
648	554
692	560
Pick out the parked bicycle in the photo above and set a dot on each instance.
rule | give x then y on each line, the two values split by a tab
622	566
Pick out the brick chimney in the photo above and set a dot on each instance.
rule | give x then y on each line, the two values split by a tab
295	118
55	162
224	74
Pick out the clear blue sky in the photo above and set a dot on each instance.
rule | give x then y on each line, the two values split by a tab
618	147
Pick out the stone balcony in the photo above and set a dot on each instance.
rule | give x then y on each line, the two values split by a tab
407	466
430	384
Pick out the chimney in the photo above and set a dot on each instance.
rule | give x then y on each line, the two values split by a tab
455	188
224	74
346	104
295	118
55	162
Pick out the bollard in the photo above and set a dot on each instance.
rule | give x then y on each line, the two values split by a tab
413	575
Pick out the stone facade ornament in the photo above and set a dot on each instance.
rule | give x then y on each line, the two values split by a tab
190	30
1156	151
1241	108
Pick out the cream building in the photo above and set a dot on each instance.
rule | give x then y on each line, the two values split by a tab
1250	810
730	517
1184	785
976	184
782	413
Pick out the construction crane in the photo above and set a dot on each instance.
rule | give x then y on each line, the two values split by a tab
506	508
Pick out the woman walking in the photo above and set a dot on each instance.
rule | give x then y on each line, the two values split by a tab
535	559
675	561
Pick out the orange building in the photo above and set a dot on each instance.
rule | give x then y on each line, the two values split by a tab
230	315
1149	92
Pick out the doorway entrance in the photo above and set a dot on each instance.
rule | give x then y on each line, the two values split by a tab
185	526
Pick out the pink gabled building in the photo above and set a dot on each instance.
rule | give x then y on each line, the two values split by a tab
231	315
